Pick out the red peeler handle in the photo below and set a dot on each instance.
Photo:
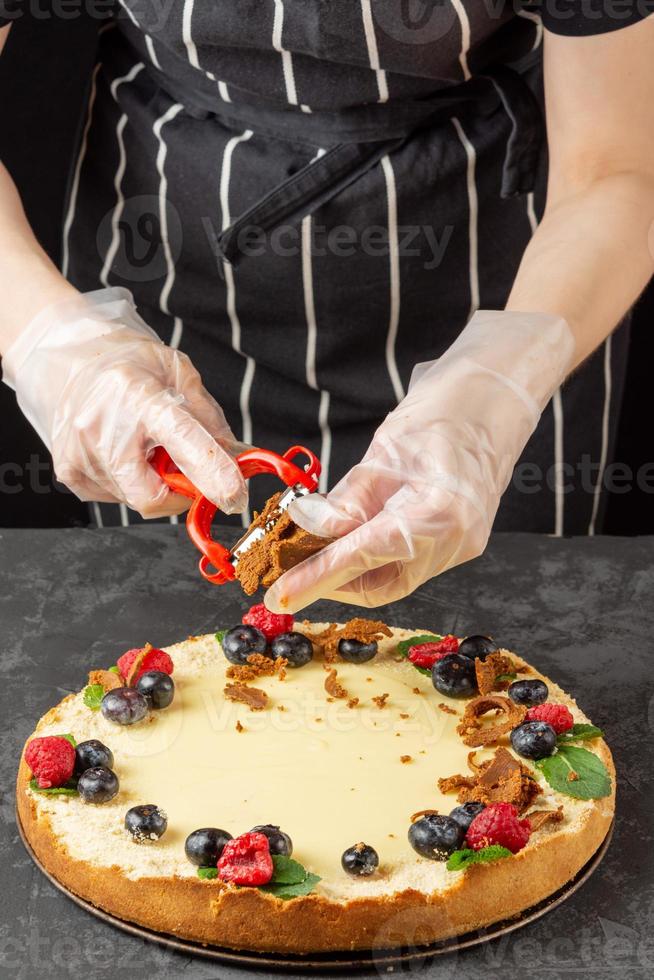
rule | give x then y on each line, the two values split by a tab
202	511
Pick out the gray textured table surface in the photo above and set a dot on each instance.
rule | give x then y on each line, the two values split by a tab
582	609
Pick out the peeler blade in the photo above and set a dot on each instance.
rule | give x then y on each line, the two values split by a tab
257	533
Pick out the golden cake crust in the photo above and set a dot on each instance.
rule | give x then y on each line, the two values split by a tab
213	913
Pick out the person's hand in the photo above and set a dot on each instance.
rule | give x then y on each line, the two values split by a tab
102	391
424	497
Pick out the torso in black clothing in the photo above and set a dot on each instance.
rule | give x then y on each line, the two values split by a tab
310	332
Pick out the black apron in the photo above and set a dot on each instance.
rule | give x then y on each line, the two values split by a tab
309	198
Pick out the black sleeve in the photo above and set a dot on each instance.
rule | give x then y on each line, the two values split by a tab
578	18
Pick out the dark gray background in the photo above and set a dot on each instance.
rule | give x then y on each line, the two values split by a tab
581	609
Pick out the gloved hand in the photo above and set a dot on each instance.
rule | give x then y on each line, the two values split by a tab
425	495
102	390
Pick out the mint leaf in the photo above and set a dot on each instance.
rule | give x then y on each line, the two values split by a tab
207	874
404	646
290	879
287	871
71	739
580	733
285	892
69	789
505	677
460	860
220	635
93	695
114	669
591	782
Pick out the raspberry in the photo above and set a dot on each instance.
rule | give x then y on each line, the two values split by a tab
270	624
556	715
153	660
246	860
51	759
498	823
426	654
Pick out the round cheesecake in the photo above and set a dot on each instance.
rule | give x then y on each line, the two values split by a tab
332	759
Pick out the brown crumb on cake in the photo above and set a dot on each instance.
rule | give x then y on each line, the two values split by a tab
239	727
353	702
404	759
501	779
404	715
253	697
108	680
488	670
381	700
538	818
363	630
471	727
572	776
134	670
416	690
446	708
422	813
333	685
258	666
265	666
241	673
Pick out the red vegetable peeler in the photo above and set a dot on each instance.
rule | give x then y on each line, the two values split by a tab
299	481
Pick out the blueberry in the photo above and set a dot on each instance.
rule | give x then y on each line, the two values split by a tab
356	652
90	754
295	647
124	706
454	676
436	836
279	842
466	813
203	847
157	687
241	641
534	739
477	646
146	822
528	693
97	785
360	860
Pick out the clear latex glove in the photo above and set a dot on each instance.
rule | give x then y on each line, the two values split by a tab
425	495
102	390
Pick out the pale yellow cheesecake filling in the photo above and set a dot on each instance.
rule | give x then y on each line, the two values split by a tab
328	774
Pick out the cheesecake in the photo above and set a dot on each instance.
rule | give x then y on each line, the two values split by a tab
407	787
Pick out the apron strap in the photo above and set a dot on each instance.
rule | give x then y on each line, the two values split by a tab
527	131
304	192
